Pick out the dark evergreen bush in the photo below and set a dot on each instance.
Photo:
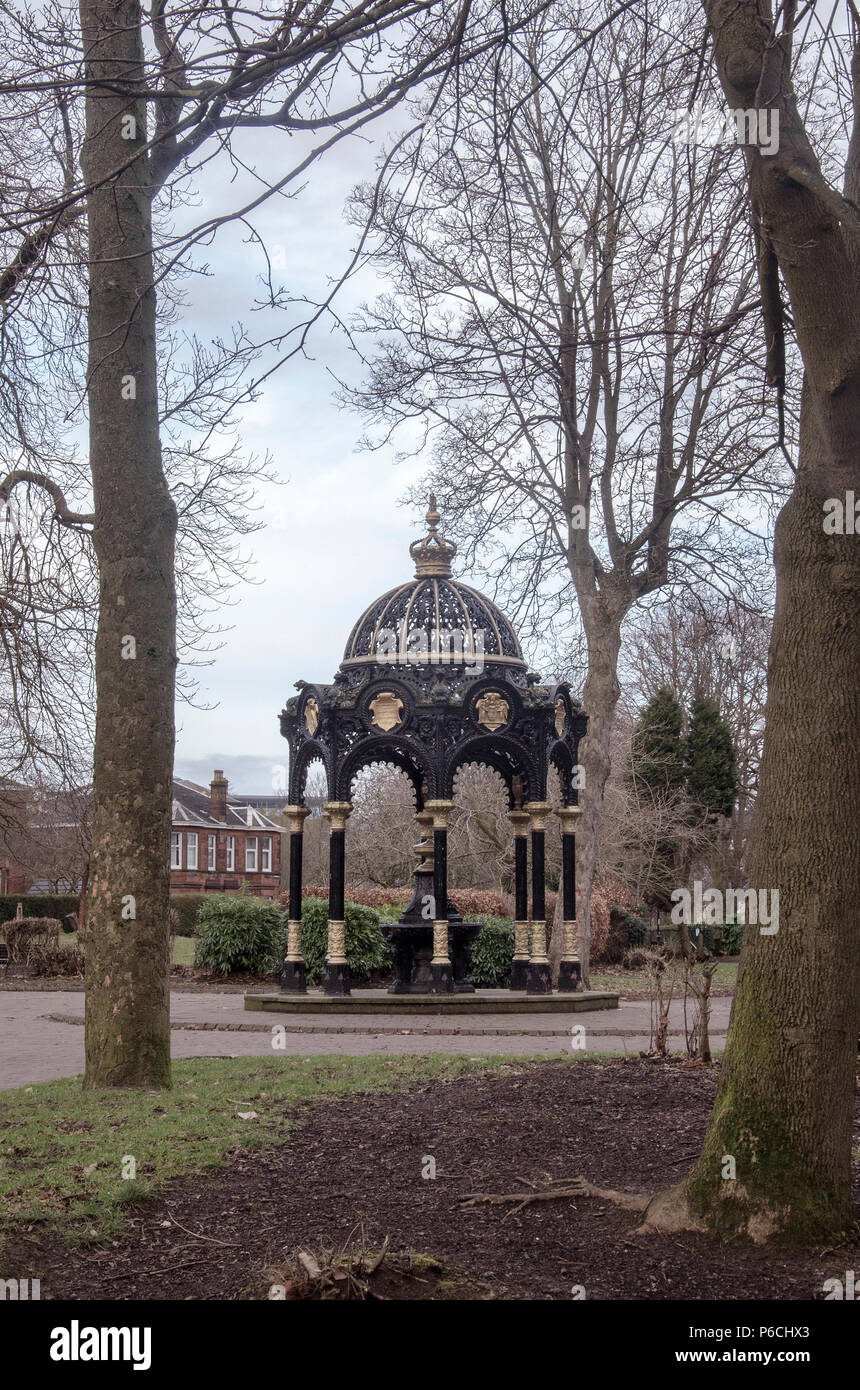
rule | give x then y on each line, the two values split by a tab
731	936
366	947
492	953
39	905
626	931
187	908
239	932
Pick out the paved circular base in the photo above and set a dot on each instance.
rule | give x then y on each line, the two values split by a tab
483	1001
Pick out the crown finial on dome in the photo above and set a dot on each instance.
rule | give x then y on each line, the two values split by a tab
433	554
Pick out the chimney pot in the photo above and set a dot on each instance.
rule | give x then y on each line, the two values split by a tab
218	796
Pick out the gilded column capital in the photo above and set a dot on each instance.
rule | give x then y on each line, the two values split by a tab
539	812
440	811
295	817
520	821
336	813
569	817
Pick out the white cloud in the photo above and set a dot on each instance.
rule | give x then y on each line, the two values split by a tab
334	537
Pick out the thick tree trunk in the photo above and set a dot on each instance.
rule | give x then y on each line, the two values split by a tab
600	698
784	1105
127	995
785	1101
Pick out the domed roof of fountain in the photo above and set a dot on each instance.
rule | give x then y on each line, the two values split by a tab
433	615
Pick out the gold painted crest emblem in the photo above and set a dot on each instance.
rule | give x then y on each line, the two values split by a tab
312	716
560	716
386	710
492	710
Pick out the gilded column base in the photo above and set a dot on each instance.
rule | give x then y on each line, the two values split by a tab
293	976
520	962
336	973
570	967
441	969
539	977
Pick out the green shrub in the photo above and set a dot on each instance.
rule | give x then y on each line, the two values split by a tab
700	931
240	932
731	936
626	931
492	952
366	947
39	905
187	907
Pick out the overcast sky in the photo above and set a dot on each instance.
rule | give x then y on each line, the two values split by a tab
335	537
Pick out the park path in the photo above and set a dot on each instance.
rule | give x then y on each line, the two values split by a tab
42	1038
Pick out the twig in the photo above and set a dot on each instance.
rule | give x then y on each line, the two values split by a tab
144	1273
196	1235
563	1187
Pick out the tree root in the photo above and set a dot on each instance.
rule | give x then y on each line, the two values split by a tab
664	1212
556	1190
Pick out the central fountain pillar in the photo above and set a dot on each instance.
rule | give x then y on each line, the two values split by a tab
421	939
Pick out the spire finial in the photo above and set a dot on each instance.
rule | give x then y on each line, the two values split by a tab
433	554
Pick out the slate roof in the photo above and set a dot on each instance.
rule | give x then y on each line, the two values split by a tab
191	807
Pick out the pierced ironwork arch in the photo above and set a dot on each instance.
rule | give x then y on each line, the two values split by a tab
310	752
506	756
400	753
561	758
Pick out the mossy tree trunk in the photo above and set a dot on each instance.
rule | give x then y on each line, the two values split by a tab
785	1100
127	996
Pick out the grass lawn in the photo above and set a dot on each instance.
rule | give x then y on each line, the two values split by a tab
183	947
183	950
624	981
62	1149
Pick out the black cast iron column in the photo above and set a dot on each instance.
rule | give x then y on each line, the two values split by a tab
336	972
293	973
570	968
520	963
539	978
441	971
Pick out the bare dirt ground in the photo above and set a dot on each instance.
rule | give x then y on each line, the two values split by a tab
351	1173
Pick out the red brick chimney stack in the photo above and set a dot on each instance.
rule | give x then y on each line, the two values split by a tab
218	795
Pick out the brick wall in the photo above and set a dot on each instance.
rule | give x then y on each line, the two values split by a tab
221	879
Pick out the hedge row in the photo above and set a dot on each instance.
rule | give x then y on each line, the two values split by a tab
38	905
185	905
244	933
473	903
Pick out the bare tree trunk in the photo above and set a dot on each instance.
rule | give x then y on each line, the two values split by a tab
82	905
127	994
599	698
784	1105
785	1102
